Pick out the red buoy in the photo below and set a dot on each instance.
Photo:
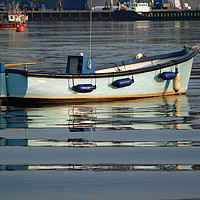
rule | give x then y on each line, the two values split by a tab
21	27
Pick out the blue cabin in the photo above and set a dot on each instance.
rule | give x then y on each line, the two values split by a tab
80	65
3	88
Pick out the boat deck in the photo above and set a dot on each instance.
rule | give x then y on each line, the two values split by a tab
135	65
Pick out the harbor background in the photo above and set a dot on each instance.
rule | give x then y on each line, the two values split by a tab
79	10
97	4
40	172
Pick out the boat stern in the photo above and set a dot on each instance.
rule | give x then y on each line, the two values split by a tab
3	88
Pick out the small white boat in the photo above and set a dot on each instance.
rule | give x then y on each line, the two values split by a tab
141	7
166	74
137	7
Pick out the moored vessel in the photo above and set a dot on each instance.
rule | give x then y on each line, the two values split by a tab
149	76
13	18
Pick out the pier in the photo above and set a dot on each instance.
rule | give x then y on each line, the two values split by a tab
162	15
69	15
105	15
172	15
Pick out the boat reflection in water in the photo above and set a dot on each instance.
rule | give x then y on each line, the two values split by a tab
101	167
80	142
153	113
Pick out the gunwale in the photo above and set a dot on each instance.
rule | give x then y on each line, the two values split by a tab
177	58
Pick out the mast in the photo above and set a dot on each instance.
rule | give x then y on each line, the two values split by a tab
90	35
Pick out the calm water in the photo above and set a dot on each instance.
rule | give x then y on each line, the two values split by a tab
145	149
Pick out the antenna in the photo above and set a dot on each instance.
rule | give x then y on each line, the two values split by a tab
90	18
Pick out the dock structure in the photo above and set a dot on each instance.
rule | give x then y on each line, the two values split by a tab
69	15
172	15
109	15
161	15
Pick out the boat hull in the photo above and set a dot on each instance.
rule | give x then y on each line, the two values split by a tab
147	82
7	26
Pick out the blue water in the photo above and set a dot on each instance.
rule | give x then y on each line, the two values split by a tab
148	149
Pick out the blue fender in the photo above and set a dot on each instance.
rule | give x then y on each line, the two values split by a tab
84	88
168	75
122	82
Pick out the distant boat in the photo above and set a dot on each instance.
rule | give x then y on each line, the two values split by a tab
137	7
13	19
143	76
140	7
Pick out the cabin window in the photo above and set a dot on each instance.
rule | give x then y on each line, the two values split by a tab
79	67
74	65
